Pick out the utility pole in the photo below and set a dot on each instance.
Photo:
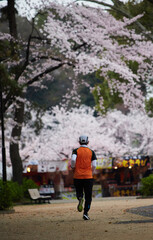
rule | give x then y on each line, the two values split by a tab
3	137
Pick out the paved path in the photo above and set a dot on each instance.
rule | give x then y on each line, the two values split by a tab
125	218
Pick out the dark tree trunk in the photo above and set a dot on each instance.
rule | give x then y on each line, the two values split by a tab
14	145
11	18
19	109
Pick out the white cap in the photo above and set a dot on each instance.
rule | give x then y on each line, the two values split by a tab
83	139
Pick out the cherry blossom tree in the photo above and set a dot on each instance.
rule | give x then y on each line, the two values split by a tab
126	9
84	38
114	134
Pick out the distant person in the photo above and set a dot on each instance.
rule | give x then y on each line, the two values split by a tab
83	163
57	181
104	184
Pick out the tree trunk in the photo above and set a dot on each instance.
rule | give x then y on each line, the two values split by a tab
19	109
11	18
14	145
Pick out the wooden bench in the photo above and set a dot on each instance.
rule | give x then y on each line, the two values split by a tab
36	197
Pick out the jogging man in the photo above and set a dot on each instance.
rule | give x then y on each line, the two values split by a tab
83	163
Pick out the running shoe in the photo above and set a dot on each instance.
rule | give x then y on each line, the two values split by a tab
80	205
86	217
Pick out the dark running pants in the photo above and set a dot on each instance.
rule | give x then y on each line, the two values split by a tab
84	186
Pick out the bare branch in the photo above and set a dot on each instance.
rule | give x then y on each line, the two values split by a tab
27	52
48	70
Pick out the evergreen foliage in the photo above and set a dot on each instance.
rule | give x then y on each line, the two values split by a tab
5	196
147	186
149	107
11	192
27	184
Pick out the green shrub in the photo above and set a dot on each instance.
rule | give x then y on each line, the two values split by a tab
147	186
27	184
5	196
16	191
21	191
11	192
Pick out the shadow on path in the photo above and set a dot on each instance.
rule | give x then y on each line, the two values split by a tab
135	221
146	211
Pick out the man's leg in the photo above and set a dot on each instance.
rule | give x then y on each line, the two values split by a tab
79	193
88	184
79	188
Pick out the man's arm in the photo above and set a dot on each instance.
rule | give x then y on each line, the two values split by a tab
94	162
73	159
